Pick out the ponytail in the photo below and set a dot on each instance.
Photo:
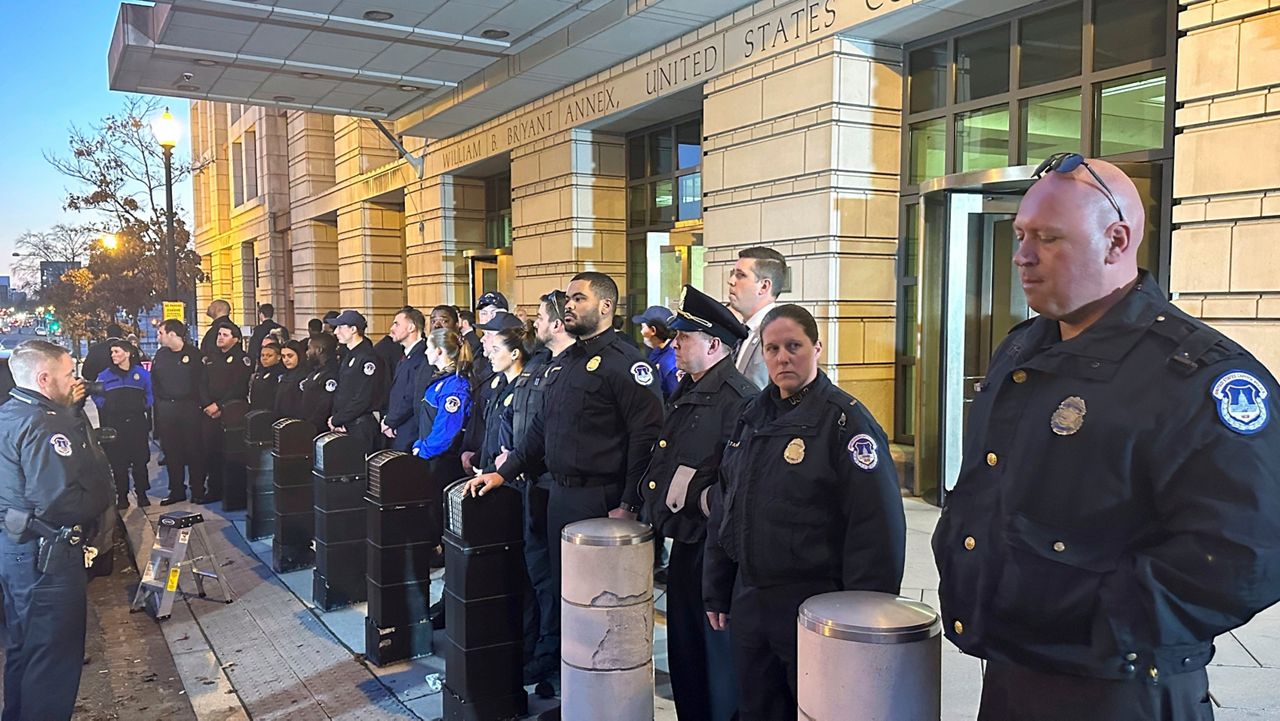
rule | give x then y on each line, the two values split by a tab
458	352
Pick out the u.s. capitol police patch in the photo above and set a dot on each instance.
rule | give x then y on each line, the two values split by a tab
369	368
642	373
862	451
331	385
452	404
247	363
61	444
1242	401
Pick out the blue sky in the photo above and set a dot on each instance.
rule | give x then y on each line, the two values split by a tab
55	75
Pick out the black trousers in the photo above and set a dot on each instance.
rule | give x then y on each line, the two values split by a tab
180	426
130	451
764	646
537	559
1010	691
213	433
44	624
567	505
368	431
701	659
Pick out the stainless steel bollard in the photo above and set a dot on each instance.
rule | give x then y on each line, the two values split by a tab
606	621
874	652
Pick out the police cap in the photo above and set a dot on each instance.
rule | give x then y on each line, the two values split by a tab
500	322
348	317
700	312
653	314
495	298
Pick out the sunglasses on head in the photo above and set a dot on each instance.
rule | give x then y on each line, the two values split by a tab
1067	163
557	306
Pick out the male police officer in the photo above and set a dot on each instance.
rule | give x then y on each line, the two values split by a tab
228	371
607	414
321	382
177	382
53	485
686	462
1118	504
361	381
219	313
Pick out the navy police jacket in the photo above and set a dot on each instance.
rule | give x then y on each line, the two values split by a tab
808	493
1118	502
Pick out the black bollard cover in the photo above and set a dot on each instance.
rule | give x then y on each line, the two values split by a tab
292	485
261	502
393	644
234	485
339	483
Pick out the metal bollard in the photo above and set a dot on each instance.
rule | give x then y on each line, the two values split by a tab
606	620
260	516
234	493
874	652
295	522
339	478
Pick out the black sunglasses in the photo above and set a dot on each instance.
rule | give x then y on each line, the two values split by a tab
557	306
1067	163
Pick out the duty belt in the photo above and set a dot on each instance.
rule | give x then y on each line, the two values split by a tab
58	544
574	481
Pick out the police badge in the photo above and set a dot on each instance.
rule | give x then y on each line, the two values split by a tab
794	452
1069	416
593	364
1242	402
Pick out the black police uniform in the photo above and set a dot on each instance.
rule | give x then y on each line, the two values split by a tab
605	414
317	395
1117	508
124	404
260	333
209	343
483	391
808	504
361	383
686	462
263	386
227	377
402	401
50	467
288	402
177	381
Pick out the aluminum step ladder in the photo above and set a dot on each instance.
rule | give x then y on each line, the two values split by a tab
167	559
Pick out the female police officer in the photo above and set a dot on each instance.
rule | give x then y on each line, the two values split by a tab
124	402
808	504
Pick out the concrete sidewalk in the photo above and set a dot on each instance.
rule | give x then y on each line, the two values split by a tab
272	655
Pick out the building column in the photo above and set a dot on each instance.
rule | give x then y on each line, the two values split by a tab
443	218
371	262
802	154
313	244
1223	266
272	284
358	147
568	212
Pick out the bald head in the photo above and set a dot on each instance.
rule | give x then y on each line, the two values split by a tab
1074	250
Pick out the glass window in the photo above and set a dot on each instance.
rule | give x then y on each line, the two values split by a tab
982	139
911	244
928	80
1131	114
688	145
928	150
662	206
637	206
1128	31
1050	124
690	196
661	152
1050	47
982	64
635	157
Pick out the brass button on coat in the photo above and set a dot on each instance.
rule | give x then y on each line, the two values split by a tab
992	459
662	444
1019	376
969	543
653	485
959	627
1059	546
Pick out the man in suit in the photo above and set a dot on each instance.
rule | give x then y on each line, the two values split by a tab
755	283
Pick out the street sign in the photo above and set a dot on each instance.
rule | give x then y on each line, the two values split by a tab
175	310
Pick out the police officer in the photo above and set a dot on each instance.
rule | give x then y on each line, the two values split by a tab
361	382
227	373
529	392
607	414
265	383
1118	502
124	404
51	484
177	379
288	403
657	339
686	463
319	388
400	425
219	314
485	390
808	504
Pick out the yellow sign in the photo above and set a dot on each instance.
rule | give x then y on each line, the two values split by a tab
175	310
172	585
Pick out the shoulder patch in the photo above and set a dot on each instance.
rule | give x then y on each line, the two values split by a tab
302	384
1242	401
863	452
369	368
642	373
452	404
61	445
331	385
247	364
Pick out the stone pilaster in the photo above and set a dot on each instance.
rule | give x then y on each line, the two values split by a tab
359	147
568	197
1224	265
802	155
443	218
313	248
371	262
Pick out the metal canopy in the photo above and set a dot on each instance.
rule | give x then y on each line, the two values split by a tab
464	61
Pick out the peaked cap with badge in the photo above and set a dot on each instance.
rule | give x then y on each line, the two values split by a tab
702	313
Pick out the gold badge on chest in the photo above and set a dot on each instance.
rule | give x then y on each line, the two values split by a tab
593	364
794	452
1069	416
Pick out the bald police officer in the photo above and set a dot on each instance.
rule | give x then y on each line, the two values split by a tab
1118	503
701	414
53	487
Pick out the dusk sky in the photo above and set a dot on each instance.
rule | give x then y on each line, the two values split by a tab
55	57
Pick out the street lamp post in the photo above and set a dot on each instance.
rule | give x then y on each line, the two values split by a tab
166	131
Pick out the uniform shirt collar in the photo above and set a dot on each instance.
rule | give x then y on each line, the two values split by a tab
1113	335
35	398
